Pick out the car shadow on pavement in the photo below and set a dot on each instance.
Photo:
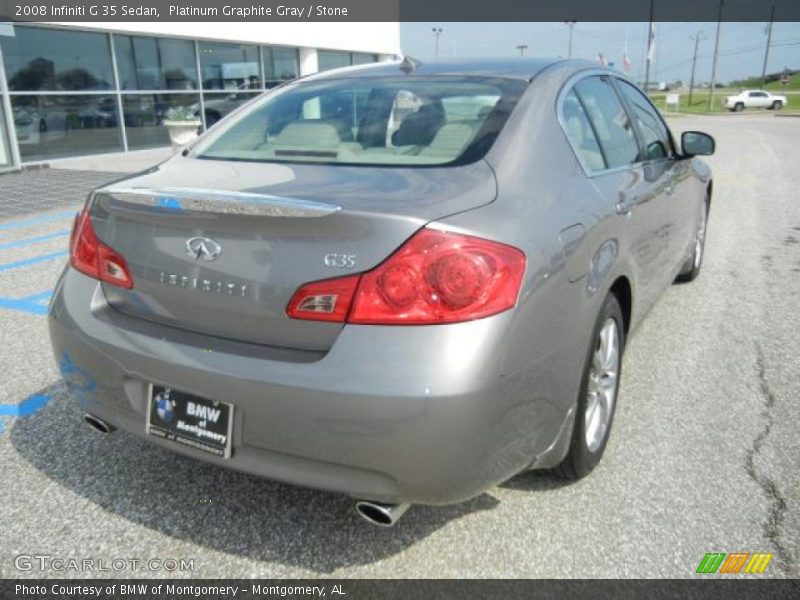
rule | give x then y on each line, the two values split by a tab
535	481
210	506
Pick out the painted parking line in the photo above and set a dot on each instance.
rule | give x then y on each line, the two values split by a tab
35	304
32	261
37	220
34	240
26	408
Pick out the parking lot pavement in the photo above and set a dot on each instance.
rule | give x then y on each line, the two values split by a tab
38	190
703	456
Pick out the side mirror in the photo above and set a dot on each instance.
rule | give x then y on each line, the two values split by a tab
697	143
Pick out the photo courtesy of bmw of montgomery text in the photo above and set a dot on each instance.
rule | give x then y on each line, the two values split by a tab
405	282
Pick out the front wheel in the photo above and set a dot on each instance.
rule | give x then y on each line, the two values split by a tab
777	105
738	107
597	399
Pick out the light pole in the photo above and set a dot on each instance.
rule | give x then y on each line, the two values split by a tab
696	37
437	31
570	24
766	52
714	64
650	42
522	48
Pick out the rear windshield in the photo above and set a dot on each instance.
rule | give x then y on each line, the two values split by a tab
371	121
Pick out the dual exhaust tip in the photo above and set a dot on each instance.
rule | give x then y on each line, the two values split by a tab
380	514
98	424
376	513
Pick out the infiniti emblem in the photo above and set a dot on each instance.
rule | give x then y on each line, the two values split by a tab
203	247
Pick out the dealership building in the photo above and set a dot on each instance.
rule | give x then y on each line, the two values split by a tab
76	89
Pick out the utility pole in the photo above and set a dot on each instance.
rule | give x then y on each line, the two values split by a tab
714	64
570	24
650	40
522	48
437	31
696	37
766	52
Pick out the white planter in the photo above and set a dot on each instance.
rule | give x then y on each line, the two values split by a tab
181	132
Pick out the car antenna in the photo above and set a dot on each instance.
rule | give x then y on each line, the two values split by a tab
409	64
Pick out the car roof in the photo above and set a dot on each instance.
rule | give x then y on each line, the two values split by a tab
512	68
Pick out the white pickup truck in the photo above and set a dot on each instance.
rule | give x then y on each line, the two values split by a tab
754	99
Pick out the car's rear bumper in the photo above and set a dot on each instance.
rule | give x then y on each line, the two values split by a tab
417	414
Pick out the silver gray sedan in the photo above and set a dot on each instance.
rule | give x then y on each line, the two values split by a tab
404	282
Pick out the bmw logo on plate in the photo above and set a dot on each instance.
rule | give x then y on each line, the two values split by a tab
164	406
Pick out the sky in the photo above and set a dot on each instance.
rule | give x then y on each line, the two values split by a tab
741	45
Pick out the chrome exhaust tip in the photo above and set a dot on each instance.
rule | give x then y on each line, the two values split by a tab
98	424
382	515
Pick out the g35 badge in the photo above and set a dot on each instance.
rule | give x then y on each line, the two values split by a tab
340	261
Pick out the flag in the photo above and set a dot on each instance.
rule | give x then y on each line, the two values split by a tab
651	43
626	63
601	57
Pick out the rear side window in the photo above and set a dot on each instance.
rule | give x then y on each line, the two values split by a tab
609	120
656	137
581	133
372	121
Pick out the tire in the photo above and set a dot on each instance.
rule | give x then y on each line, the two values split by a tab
777	105
591	431
691	268
738	107
42	126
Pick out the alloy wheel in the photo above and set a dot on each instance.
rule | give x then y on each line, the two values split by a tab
601	393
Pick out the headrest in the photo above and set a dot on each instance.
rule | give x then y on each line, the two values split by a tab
308	133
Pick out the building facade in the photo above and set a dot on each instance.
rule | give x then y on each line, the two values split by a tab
73	89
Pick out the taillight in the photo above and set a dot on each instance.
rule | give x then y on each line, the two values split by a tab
327	300
92	257
435	277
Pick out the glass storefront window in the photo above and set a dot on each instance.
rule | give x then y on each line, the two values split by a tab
5	147
220	104
148	63
46	65
280	64
145	115
44	59
332	60
230	66
360	58
52	126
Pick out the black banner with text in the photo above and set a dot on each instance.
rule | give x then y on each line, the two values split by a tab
707	589
398	10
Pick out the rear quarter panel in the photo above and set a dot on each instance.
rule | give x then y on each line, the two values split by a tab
568	228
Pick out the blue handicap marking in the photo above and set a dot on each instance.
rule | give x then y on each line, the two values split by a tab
30	406
22	224
34	240
17	264
32	261
34	304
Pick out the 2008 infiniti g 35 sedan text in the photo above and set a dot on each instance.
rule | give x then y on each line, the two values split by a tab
405	282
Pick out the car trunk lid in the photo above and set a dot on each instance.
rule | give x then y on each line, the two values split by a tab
219	247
